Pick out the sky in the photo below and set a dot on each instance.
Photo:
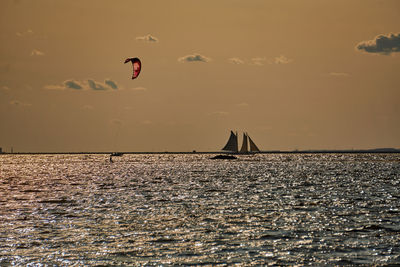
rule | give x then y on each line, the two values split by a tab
310	74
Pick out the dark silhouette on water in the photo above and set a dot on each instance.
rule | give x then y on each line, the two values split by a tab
224	157
232	147
115	154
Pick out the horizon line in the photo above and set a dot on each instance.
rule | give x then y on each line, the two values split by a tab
296	151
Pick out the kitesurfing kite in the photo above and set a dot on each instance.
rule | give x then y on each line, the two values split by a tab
137	66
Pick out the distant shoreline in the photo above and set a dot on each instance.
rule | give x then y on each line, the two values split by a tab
358	151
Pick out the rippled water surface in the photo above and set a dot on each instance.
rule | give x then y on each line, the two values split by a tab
316	209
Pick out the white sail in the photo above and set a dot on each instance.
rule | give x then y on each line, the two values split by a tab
244	148
253	147
232	144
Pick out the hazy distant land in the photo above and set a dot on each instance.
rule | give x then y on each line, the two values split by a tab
310	151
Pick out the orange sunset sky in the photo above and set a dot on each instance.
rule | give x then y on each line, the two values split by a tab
310	74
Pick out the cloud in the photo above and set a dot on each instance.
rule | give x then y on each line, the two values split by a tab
194	58
15	102
89	84
25	33
148	39
18	103
36	52
282	60
111	84
243	104
135	89
73	85
54	87
258	61
261	61
219	113
139	89
235	60
97	86
381	44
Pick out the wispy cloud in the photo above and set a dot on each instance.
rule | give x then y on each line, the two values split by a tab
235	60
243	104
134	89
147	38
258	61
261	61
139	89
54	87
338	74
282	60
219	113
194	58
381	44
18	103
36	52
26	33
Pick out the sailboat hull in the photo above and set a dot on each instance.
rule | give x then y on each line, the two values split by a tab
224	157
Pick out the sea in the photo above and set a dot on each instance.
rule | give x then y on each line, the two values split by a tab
187	209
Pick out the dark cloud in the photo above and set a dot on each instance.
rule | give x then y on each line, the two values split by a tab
73	85
111	84
194	58
97	86
382	44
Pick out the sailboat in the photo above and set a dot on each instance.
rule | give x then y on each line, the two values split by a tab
248	145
